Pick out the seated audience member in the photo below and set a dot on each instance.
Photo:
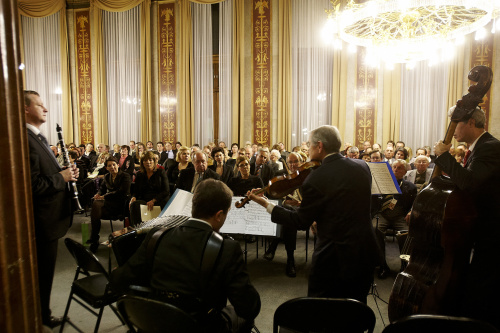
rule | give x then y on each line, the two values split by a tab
284	153
459	156
126	161
420	152
375	156
422	174
288	233
151	187
391	143
366	157
303	157
140	149
116	151
92	181
132	146
100	167
222	144
89	150
191	177
208	151
353	152
171	153
110	200
389	155
244	181
400	144
377	146
275	157
195	148
393	210
234	150
73	158
402	154
150	146
347	145
430	156
162	154
179	278
262	166
366	145
183	161
296	149
224	170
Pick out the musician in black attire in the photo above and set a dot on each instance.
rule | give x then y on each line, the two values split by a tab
151	187
244	181
480	176
110	200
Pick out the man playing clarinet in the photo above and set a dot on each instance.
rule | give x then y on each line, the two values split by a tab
52	202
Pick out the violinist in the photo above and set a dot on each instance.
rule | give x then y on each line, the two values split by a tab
337	196
480	176
288	233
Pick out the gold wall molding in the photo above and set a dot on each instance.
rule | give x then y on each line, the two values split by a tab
167	67
366	94
84	76
482	54
261	78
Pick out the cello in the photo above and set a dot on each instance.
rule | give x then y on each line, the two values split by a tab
440	231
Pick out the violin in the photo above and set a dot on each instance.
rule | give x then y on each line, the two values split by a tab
283	185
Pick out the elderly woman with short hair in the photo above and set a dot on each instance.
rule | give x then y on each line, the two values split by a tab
151	187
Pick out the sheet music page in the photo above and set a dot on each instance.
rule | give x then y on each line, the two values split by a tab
235	220
179	204
149	214
385	181
253	219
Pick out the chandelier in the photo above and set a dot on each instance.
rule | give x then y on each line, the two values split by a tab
403	31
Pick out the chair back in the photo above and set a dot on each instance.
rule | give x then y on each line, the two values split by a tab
435	324
85	259
149	315
313	314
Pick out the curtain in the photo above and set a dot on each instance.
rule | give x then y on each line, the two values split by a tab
284	73
225	66
391	107
238	71
312	68
423	104
43	68
122	55
202	74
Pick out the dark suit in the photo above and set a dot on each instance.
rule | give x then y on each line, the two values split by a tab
146	189
241	186
186	177
162	157
337	196
267	172
177	269
128	165
227	172
481	178
52	212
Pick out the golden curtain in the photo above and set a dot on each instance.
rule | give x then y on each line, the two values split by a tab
238	72
285	72
45	8
339	89
392	104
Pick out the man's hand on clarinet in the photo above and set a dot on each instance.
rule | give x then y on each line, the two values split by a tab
71	173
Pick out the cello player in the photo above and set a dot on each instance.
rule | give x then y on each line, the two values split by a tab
480	175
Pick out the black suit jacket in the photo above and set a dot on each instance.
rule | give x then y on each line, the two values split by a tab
116	193
155	187
162	157
186	177
177	268
337	196
51	199
227	172
128	165
267	173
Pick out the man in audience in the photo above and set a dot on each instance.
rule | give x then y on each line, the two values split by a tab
389	154
89	150
377	146
171	153
284	153
479	177
248	152
391	143
263	167
393	210
52	202
180	277
366	145
150	146
190	178
337	197
195	148
353	152
162	154
375	156
400	144
422	174
222	144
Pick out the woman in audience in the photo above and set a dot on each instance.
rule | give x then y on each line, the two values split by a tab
402	154
208	151
183	162
244	182
126	161
100	168
234	150
274	157
116	151
151	187
140	150
92	182
110	201
224	170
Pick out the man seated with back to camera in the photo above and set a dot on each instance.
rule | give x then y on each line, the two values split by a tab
392	211
176	274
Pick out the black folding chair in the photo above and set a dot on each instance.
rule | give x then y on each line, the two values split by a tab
314	314
93	288
439	324
147	315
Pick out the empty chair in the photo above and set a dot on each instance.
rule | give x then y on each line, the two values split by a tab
313	314
147	315
91	289
439	324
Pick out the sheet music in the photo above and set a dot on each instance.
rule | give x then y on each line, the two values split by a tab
253	219
383	179
147	214
178	204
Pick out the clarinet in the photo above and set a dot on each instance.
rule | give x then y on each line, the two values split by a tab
72	185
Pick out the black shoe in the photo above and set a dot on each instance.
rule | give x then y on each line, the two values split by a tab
290	268
269	255
94	246
54	322
383	272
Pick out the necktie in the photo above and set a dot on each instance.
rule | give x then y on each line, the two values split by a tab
44	140
467	154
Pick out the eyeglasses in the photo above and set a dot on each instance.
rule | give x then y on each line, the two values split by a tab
243	165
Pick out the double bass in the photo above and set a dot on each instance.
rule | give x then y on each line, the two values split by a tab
440	231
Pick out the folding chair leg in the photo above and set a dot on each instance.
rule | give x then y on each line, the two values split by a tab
117	314
65	317
96	330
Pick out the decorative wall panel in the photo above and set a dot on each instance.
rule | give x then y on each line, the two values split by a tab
366	93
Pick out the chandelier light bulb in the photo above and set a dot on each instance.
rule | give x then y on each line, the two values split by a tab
480	34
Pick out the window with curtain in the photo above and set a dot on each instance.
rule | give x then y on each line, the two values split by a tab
43	67
225	70
202	74
121	42
423	105
312	69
